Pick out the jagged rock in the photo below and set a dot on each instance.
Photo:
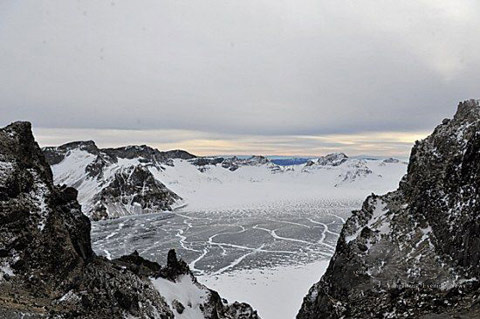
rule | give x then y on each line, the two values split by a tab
46	244
138	265
414	252
47	266
177	305
174	267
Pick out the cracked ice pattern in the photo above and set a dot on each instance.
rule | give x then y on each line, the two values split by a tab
216	242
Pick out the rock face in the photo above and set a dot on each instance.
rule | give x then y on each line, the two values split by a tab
414	252
47	266
115	182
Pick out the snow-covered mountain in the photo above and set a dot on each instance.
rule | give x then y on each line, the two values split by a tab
114	182
139	179
49	270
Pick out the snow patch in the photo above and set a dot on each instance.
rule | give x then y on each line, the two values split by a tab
185	291
5	269
378	212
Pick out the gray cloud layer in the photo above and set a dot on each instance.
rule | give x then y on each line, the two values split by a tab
250	67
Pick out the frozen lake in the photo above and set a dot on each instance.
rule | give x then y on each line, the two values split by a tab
250	254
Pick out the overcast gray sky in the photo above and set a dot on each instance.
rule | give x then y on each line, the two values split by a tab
246	76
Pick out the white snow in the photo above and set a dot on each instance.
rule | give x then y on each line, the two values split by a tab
252	186
70	295
184	290
217	188
71	171
276	293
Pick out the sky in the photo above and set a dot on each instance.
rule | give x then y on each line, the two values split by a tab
275	77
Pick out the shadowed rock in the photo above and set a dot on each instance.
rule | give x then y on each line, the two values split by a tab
414	252
47	266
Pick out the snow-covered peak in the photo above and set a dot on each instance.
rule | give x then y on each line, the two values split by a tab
333	159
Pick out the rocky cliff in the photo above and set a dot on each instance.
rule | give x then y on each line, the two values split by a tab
115	182
414	252
48	268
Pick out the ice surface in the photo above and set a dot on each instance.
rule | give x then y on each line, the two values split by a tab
254	236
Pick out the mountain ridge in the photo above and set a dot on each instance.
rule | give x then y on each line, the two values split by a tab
413	252
139	179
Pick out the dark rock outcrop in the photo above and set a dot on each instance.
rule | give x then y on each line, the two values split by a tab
174	267
181	154
414	252
47	266
45	242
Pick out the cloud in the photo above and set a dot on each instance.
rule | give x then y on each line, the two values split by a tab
201	143
263	68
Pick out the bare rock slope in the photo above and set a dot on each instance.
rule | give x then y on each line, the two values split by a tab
48	268
414	252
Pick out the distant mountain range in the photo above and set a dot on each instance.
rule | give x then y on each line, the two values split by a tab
285	160
114	182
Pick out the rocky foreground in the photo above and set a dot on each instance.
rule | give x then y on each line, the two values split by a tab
48	268
414	252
